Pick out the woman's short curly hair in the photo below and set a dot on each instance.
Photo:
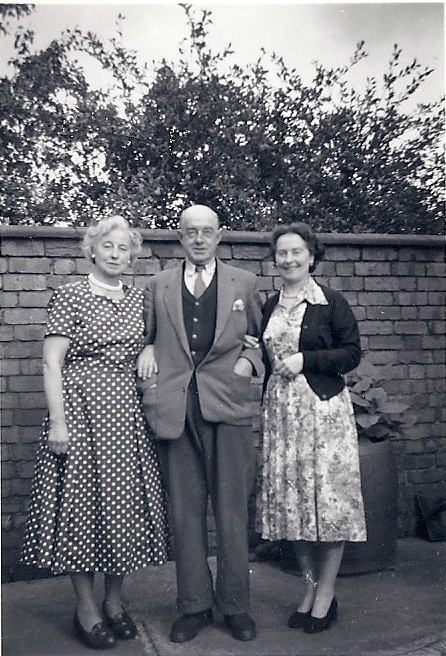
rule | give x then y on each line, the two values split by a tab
304	231
97	231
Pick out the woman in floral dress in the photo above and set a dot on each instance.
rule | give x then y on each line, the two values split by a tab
97	503
309	488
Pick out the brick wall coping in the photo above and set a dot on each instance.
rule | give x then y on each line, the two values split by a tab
236	237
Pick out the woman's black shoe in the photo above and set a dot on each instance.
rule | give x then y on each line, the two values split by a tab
100	636
317	624
297	620
122	625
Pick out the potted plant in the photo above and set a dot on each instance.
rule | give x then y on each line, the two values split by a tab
378	418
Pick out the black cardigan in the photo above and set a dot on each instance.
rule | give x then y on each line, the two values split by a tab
329	342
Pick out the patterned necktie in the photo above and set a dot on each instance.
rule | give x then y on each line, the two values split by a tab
199	286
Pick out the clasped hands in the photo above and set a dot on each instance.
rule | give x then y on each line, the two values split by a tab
289	367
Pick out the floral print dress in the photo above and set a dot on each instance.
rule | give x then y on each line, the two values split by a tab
309	485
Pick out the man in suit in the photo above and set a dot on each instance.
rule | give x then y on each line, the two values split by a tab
198	400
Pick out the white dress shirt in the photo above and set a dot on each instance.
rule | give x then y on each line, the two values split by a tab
190	274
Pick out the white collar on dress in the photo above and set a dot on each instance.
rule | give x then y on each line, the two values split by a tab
312	293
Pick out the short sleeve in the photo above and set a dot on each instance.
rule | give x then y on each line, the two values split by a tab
61	313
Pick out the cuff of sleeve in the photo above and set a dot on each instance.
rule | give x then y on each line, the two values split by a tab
310	360
255	358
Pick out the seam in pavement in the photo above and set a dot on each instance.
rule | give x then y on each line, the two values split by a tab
148	644
436	648
429	646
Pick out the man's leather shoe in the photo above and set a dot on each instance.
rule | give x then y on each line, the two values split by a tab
188	626
242	626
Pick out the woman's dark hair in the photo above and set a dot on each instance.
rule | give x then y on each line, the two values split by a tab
304	231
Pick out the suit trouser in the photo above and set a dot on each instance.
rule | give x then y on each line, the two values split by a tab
216	460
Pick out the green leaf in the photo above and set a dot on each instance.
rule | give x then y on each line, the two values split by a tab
362	385
366	421
359	400
376	394
393	407
379	430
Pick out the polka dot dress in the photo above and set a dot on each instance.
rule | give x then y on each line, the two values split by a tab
102	507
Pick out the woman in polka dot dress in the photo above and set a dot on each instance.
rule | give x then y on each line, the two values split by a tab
97	504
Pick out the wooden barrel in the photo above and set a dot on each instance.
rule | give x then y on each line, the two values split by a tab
379	480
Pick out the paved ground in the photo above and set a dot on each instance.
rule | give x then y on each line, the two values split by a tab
401	612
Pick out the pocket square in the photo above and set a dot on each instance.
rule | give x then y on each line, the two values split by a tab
238	306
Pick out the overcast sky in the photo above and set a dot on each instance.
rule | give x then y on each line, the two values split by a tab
300	33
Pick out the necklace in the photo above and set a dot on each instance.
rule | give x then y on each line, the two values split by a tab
292	295
98	283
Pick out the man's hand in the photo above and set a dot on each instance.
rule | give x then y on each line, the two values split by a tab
146	363
243	367
249	341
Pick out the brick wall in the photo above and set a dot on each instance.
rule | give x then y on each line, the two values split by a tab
395	285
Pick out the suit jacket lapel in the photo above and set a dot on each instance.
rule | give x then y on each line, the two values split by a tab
174	305
225	297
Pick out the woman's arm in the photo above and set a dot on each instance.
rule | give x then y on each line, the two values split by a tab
344	354
252	354
55	348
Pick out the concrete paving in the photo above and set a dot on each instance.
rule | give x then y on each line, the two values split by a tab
399	612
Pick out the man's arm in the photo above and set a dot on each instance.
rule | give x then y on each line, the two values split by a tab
149	312
146	363
254	315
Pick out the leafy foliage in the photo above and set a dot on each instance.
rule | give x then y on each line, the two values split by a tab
377	417
255	142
